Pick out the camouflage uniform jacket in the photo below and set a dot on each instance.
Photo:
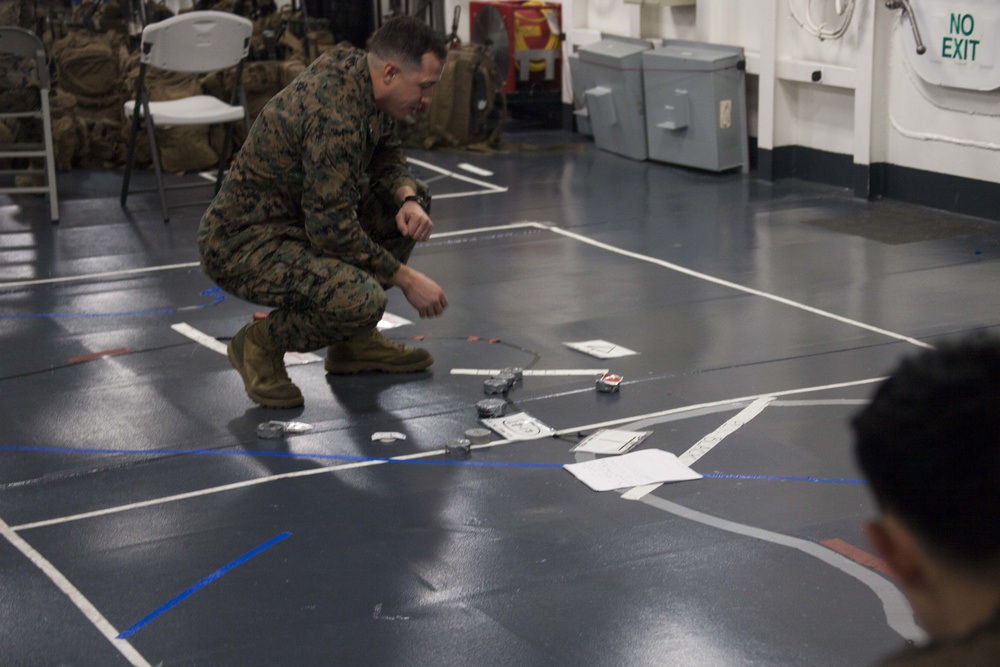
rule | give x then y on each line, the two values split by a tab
302	172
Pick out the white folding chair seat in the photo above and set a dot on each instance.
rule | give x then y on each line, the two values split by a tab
21	43
194	42
197	110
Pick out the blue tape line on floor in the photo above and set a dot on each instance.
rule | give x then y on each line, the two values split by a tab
346	457
125	634
211	291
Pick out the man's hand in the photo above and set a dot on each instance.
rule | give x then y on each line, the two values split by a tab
413	222
423	293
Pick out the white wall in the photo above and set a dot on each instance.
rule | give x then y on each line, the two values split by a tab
939	128
885	111
870	104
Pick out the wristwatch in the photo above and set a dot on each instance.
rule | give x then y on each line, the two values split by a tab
416	198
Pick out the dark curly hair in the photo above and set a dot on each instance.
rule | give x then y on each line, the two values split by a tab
929	444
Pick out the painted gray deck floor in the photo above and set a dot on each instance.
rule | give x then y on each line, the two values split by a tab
130	470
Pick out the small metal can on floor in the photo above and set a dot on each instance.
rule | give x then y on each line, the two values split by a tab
458	447
609	383
516	371
270	430
478	436
492	407
495	386
507	378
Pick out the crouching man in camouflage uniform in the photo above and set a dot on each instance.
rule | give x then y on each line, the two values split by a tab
319	214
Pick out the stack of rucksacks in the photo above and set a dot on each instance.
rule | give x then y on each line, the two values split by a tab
467	109
95	64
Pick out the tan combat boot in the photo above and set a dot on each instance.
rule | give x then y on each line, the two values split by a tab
262	366
372	351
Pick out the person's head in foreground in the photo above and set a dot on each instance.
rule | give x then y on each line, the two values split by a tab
929	446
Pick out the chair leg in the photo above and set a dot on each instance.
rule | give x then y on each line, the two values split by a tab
50	157
227	151
130	153
246	116
151	133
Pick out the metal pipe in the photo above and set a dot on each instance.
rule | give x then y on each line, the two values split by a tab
908	10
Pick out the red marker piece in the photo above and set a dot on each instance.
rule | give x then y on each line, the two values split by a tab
98	355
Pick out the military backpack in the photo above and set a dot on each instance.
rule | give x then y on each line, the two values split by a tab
467	107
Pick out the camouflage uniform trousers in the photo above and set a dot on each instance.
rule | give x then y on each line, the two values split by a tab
318	299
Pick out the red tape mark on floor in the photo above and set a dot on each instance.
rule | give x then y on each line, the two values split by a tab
98	355
859	556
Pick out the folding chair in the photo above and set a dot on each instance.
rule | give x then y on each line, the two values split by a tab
194	42
22	43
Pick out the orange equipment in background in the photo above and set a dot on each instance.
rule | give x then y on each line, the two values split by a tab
524	38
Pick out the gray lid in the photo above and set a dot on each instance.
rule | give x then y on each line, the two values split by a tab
613	53
478	436
689	57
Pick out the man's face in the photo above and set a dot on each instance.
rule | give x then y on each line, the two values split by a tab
409	91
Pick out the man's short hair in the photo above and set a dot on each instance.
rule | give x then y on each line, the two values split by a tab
405	39
929	444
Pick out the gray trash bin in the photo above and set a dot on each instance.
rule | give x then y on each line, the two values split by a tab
696	105
610	75
581	78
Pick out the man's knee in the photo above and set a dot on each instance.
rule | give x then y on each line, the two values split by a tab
363	311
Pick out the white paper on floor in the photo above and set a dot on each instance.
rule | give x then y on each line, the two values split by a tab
650	466
519	426
601	349
610	441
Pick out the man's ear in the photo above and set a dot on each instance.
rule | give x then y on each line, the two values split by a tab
898	548
389	72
